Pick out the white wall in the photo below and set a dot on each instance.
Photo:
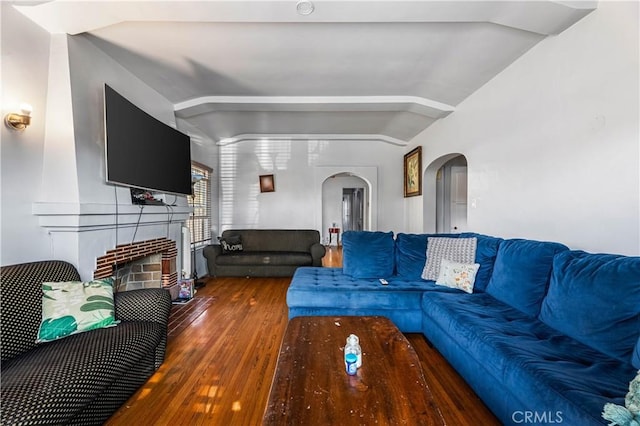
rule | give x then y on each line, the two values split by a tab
24	79
90	69
55	201
552	142
300	168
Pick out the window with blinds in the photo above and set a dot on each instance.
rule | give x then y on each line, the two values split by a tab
200	221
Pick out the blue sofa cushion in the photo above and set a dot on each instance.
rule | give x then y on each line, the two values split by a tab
328	292
486	252
595	298
411	254
534	363
368	254
330	287
635	359
521	273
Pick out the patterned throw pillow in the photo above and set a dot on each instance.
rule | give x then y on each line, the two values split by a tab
231	244
458	275
74	306
461	250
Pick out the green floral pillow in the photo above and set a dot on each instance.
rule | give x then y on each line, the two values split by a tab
74	306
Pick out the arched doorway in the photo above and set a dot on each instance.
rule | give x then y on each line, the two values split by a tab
345	205
445	195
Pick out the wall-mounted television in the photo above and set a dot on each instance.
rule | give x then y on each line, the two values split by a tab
143	152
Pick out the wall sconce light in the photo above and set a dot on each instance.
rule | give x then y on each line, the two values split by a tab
19	121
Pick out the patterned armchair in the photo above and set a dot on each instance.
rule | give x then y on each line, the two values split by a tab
83	378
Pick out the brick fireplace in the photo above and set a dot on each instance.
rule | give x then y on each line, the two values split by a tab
143	264
92	236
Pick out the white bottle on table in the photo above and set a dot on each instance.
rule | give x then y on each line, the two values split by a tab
353	347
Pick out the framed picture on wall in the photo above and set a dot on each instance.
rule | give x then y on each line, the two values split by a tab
267	184
413	173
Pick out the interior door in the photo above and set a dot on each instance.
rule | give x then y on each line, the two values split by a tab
458	205
352	209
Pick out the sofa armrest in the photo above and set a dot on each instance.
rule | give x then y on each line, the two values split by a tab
317	253
150	304
210	253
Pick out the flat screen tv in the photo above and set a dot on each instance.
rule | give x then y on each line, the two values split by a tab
143	152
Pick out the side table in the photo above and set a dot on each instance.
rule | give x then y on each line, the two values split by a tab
334	231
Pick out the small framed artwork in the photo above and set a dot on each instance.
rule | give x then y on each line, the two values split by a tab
413	173
267	184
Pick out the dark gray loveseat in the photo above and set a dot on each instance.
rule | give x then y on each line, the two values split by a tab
265	253
82	378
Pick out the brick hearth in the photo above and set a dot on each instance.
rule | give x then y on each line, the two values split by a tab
126	253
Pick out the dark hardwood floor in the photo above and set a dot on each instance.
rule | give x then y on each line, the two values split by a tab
221	356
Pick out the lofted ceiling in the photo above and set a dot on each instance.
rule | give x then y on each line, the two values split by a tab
373	70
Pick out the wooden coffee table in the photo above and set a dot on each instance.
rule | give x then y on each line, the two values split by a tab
311	386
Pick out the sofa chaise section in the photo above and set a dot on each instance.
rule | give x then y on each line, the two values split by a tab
356	289
516	358
517	364
328	292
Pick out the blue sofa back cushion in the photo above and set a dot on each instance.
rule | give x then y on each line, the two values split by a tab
411	254
521	273
368	254
595	298
486	252
635	359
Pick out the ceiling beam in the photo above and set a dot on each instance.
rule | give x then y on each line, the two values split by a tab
414	104
75	17
311	136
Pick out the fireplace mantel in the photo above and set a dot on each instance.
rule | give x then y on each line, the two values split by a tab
81	232
80	217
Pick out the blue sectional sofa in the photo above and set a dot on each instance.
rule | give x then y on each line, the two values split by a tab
548	335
